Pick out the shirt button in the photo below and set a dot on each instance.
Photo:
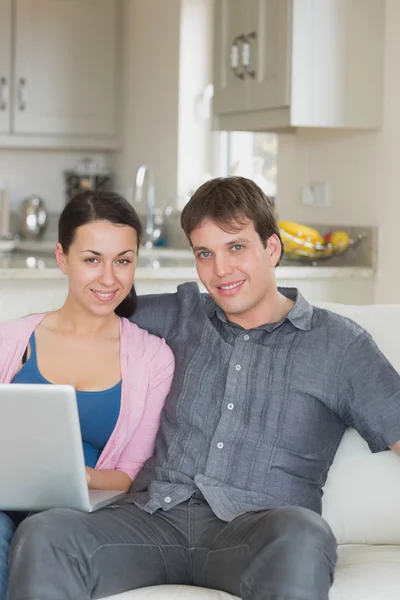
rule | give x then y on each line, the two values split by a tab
230	406
238	367
167	499
220	445
246	337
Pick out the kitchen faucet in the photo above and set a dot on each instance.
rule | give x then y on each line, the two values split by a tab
151	233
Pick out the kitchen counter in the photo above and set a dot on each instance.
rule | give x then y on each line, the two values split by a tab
36	261
13	270
32	269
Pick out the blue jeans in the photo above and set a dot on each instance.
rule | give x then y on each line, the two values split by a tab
7	529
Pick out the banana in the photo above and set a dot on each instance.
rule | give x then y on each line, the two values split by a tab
302	232
300	239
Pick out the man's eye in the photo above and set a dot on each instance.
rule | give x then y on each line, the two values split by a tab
237	247
204	254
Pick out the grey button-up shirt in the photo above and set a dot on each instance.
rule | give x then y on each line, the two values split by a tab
254	418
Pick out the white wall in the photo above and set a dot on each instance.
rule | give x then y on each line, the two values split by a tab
27	172
195	161
363	169
150	95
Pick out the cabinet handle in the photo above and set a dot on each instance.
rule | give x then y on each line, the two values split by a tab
3	93
236	54
246	54
21	89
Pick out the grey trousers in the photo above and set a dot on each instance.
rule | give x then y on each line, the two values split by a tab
279	554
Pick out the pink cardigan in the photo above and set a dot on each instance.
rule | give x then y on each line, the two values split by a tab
147	367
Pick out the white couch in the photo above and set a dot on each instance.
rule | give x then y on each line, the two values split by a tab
362	494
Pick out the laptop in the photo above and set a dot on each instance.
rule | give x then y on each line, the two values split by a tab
42	464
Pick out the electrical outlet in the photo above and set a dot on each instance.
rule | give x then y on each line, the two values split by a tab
316	194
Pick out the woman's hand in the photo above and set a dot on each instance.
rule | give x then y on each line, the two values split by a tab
89	472
107	479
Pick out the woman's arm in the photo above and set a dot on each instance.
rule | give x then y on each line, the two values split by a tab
107	479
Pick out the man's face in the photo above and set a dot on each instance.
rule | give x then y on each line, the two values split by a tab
236	269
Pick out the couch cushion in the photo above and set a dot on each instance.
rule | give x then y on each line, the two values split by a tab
363	573
367	573
173	592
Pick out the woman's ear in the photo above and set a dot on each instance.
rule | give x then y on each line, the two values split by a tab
61	258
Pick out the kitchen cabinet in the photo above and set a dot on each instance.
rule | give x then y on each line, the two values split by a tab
282	64
64	73
5	64
231	96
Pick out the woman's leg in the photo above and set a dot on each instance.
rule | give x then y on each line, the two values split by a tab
7	529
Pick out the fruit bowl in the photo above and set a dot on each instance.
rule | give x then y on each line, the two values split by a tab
308	245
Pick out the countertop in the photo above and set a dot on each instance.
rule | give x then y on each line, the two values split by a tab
184	272
35	260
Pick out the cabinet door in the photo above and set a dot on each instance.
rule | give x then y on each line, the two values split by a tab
5	64
65	67
269	53
230	22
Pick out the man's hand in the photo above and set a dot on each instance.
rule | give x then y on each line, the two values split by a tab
395	447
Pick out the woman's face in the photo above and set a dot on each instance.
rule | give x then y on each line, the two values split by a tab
100	265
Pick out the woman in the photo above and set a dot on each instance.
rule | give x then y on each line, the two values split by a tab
121	373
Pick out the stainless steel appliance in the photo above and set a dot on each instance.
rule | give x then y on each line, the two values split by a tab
32	218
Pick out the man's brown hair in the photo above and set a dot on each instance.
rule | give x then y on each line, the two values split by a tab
230	202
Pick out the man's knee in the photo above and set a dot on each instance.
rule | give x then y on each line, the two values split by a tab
296	526
301	529
56	528
294	555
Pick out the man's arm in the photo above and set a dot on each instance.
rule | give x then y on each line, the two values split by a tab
157	313
369	394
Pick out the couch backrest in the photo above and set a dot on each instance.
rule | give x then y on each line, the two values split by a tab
362	494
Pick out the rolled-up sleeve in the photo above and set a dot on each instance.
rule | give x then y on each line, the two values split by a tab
369	393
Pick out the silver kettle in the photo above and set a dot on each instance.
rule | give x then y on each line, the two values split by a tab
32	218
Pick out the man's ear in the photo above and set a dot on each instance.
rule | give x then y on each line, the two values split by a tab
274	247
61	258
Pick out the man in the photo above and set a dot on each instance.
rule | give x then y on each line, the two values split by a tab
264	388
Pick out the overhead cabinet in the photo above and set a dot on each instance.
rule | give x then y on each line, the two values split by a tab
282	64
5	64
59	65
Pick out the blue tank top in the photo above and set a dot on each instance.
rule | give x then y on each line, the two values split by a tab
98	411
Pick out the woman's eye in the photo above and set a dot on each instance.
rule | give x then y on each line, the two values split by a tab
91	260
124	261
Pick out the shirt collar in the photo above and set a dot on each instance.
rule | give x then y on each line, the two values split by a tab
300	315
